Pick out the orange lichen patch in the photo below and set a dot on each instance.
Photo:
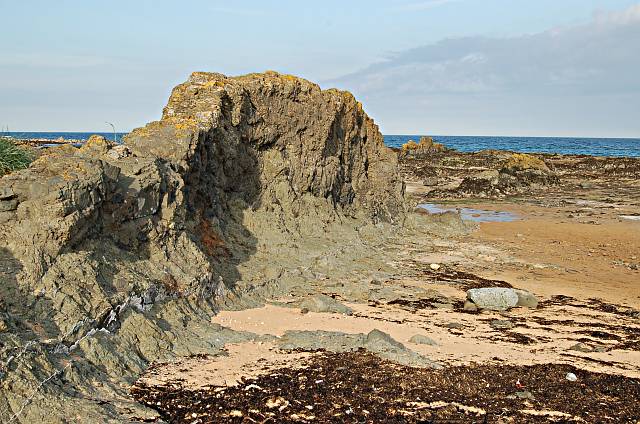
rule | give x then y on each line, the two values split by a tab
186	124
290	77
410	145
426	145
211	241
140	132
521	161
214	83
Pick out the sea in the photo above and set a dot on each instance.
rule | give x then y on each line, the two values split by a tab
619	147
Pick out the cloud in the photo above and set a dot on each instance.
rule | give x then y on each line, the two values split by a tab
629	16
568	64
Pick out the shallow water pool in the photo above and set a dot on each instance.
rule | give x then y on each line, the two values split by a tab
630	217
469	214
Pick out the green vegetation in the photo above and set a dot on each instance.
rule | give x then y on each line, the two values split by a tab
12	157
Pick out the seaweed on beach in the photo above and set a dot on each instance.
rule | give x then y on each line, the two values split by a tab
465	280
361	387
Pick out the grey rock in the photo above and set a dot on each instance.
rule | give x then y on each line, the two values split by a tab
526	299
376	342
493	298
469	306
424	340
6	193
8	205
324	303
525	395
582	347
332	341
454	325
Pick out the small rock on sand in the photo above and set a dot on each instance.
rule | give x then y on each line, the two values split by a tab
526	299
469	306
454	325
324	303
581	347
424	340
586	348
493	298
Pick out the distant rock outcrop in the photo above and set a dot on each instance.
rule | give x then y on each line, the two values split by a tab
489	173
93	238
425	146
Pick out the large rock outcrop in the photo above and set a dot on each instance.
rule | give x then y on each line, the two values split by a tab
113	256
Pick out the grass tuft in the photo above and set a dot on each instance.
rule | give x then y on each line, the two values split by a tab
12	157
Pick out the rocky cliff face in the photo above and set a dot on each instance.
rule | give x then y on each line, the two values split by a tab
110	253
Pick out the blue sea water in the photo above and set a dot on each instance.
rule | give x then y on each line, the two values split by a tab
65	135
578	146
629	147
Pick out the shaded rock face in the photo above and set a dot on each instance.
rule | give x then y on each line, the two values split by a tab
94	238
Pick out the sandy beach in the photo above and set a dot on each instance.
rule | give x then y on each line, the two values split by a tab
578	256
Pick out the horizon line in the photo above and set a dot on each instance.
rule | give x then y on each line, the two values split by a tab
384	134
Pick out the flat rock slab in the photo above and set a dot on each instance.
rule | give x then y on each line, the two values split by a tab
375	341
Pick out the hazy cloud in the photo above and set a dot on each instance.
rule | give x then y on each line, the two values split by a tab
598	61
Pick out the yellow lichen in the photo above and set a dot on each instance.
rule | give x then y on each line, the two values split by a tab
426	145
214	83
409	146
521	161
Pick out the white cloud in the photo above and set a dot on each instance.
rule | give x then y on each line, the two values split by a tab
565	65
628	16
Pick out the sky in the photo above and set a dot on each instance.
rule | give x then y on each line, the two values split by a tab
445	67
